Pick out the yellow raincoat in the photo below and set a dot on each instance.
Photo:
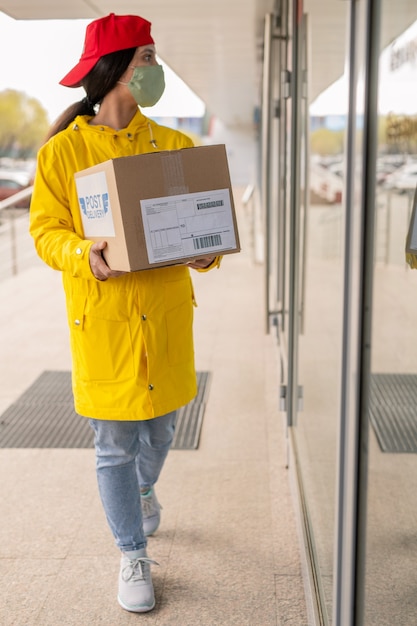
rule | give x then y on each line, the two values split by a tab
131	336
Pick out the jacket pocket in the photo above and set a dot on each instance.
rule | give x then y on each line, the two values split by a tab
102	350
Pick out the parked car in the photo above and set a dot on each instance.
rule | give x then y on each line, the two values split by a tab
403	179
325	184
384	170
12	182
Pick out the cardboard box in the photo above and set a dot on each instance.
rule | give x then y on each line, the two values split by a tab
161	208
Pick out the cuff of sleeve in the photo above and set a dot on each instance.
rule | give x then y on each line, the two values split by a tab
215	263
81	260
411	260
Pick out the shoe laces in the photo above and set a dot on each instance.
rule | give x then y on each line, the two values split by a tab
137	570
150	505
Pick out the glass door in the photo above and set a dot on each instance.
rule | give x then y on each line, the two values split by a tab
391	554
315	314
343	300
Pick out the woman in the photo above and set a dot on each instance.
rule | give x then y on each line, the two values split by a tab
131	333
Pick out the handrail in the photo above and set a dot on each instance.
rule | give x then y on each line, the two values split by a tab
11	218
16	197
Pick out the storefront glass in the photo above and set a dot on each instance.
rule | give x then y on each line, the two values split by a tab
320	336
314	269
391	557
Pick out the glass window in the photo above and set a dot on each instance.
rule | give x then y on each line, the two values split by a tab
391	562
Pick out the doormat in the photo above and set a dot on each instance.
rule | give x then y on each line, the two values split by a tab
44	417
393	412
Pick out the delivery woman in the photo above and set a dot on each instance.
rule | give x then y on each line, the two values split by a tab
130	333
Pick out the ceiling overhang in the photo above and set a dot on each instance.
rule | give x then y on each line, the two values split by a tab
215	46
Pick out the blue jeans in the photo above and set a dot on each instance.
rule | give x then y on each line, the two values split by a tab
129	457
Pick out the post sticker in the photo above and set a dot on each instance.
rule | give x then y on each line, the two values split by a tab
95	207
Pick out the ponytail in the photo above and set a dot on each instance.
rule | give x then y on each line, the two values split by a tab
83	107
97	84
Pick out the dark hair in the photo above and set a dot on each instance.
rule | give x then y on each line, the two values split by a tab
97	84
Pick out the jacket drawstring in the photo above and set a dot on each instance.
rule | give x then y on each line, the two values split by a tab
152	141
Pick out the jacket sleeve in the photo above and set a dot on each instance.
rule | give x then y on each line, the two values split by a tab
51	221
411	259
215	263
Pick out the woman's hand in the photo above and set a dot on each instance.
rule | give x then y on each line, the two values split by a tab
98	265
202	263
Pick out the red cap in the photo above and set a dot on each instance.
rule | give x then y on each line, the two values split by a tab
105	35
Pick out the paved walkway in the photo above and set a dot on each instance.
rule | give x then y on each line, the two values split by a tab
228	546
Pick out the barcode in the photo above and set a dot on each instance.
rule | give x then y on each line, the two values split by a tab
209	205
207	242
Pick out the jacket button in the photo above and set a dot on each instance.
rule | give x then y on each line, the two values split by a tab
144	318
77	322
150	387
78	251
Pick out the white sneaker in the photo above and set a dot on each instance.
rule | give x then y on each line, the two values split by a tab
151	512
135	583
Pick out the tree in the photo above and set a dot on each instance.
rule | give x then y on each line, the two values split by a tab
326	142
23	124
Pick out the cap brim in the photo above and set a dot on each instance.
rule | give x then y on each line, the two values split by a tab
75	76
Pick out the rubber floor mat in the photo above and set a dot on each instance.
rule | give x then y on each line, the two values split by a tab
393	412
44	417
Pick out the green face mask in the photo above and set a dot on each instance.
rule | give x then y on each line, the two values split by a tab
147	84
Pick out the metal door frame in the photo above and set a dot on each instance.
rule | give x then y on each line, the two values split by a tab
350	540
275	91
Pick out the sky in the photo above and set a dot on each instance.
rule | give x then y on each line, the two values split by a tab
36	54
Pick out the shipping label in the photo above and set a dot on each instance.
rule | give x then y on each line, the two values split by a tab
188	225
